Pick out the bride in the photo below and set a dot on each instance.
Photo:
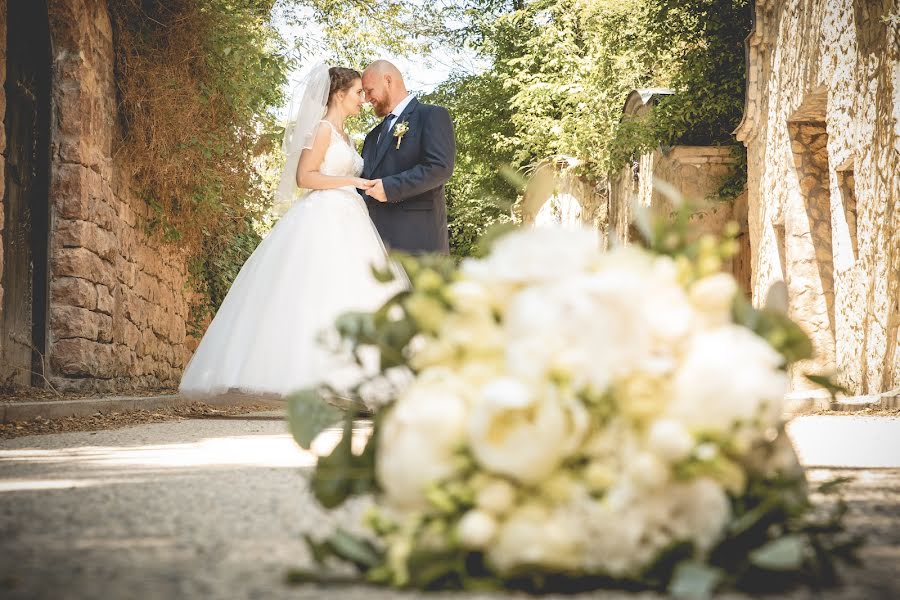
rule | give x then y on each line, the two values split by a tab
314	265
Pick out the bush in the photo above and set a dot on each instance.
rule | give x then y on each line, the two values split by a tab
197	80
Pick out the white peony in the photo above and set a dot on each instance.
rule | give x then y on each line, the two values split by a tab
418	438
468	296
655	294
704	510
496	496
536	255
647	471
712	297
585	329
515	431
534	535
728	374
626	531
670	440
476	529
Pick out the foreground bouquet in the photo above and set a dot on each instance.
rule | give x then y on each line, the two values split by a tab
553	417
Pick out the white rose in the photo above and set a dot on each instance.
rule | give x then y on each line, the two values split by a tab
516	432
427	311
476	529
728	374
477	334
648	471
496	496
534	255
533	535
712	296
670	440
705	511
585	328
432	352
468	296
599	475
418	438
668	310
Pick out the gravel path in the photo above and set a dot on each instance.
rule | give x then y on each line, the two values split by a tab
215	507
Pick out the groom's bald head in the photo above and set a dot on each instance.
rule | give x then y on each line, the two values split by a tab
384	86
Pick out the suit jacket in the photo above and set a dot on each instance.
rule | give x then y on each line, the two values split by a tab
414	218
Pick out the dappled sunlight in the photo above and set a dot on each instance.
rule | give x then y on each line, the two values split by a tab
258	450
32	485
268	451
836	441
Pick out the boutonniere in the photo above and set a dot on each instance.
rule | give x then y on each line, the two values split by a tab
400	130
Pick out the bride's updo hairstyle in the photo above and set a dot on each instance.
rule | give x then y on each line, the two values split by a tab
341	79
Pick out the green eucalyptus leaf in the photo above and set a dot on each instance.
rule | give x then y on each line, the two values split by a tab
758	515
775	327
783	554
833	485
694	580
383	274
430	569
361	552
332	479
826	381
309	414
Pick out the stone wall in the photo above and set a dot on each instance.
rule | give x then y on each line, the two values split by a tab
117	304
694	173
822	130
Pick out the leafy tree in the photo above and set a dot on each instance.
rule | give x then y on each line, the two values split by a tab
566	67
478	195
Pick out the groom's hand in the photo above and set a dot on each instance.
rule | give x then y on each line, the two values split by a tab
377	191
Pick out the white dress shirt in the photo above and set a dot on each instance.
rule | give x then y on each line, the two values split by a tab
395	114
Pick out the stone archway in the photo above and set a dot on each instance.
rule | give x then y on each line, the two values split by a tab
25	280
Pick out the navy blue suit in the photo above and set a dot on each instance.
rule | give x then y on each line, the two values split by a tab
414	218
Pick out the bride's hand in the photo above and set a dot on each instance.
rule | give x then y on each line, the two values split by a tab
364	184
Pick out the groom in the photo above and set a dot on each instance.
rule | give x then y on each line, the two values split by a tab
410	156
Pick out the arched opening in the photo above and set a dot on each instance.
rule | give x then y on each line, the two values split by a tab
560	209
23	327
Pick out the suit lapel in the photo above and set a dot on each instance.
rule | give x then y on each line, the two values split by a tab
387	139
369	151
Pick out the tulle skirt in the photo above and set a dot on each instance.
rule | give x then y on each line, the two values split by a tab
314	265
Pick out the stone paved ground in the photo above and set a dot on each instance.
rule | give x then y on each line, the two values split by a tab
214	508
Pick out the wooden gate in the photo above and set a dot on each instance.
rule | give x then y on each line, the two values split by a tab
23	325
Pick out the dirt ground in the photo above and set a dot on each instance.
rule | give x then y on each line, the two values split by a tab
36	394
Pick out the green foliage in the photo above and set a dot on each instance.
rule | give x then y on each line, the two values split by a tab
478	196
356	31
197	80
561	71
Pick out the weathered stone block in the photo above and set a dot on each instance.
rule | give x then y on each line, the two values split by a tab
86	234
73	322
104	328
79	357
105	302
77	193
73	291
81	262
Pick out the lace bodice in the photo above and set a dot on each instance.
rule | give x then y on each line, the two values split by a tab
341	160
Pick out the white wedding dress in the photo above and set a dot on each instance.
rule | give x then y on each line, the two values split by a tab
313	266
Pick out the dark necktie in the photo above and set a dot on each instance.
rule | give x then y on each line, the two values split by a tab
384	126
